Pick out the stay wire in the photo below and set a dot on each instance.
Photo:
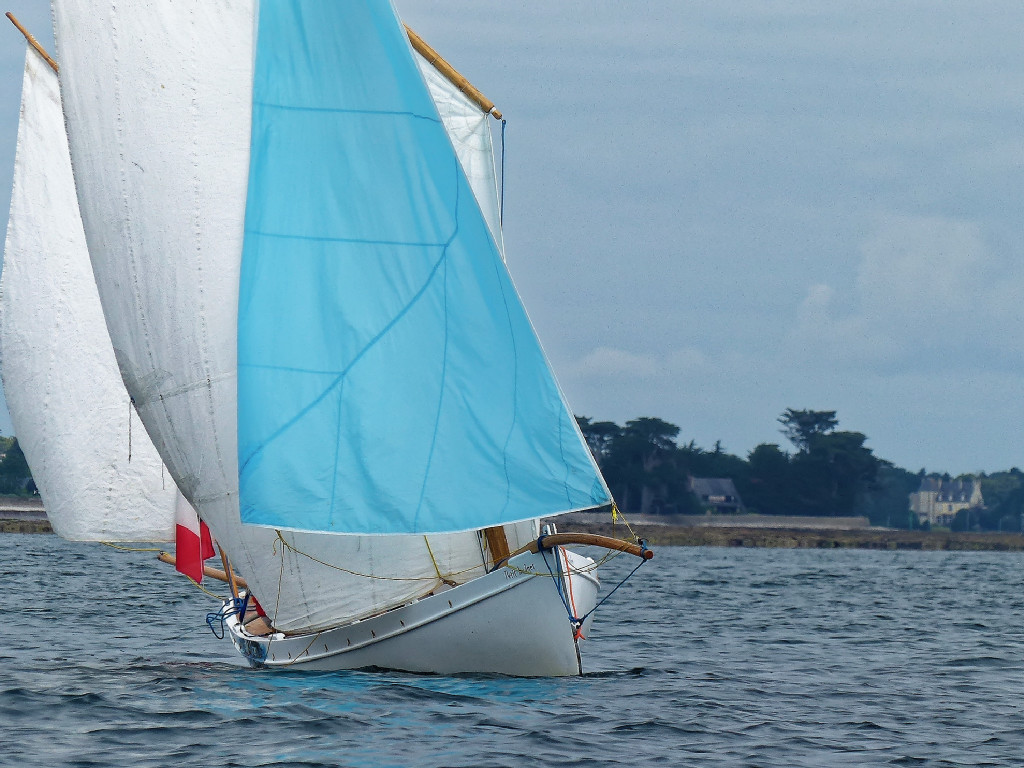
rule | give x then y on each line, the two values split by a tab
577	621
605	598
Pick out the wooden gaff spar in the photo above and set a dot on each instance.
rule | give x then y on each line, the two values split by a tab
33	42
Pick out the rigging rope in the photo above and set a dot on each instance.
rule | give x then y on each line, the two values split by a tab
609	555
574	620
215	619
433	560
501	196
616	514
130	549
298	551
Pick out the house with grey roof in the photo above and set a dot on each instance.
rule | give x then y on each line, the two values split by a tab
716	494
937	501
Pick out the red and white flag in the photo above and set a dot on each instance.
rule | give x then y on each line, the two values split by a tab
192	542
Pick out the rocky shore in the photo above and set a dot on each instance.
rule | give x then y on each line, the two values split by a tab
20	514
25	526
806	538
27	516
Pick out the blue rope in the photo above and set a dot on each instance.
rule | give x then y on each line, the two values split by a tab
215	621
601	601
558	582
501	198
577	621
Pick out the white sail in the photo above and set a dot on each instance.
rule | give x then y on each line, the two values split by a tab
469	129
157	105
100	477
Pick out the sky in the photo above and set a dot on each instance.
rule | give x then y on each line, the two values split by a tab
717	211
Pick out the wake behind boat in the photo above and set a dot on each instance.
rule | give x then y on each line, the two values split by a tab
292	219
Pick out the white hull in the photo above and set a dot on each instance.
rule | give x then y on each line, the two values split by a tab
511	621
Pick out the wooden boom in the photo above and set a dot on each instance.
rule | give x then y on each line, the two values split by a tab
213	573
590	539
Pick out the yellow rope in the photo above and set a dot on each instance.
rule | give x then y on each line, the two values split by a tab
611	554
304	650
367	575
157	549
204	589
433	560
616	514
130	549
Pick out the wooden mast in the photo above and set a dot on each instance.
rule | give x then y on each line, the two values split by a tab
33	42
497	544
227	570
453	75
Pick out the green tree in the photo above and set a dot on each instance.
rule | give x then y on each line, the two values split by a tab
14	471
801	427
715	463
644	469
769	488
599	436
886	501
1004	502
832	473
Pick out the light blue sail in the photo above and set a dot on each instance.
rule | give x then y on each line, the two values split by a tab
389	380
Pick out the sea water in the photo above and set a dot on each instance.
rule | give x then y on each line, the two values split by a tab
707	657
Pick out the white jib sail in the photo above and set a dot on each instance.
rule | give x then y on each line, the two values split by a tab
69	407
469	129
157	105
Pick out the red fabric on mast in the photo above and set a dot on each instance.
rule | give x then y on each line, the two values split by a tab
192	541
206	550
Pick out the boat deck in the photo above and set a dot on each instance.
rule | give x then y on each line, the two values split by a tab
256	625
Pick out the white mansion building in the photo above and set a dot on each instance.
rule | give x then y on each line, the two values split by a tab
938	500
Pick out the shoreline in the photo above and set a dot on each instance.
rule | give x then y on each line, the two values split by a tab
25	525
660	535
804	538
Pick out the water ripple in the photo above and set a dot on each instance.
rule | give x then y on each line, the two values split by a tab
710	657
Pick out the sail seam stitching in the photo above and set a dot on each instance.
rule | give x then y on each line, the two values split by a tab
362	353
363	241
335	110
444	361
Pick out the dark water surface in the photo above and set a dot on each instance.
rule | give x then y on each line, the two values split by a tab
709	657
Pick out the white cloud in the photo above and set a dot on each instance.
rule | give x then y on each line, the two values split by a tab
609	362
927	292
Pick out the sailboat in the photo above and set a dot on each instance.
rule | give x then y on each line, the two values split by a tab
303	283
99	479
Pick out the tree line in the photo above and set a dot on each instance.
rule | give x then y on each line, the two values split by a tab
826	472
15	476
